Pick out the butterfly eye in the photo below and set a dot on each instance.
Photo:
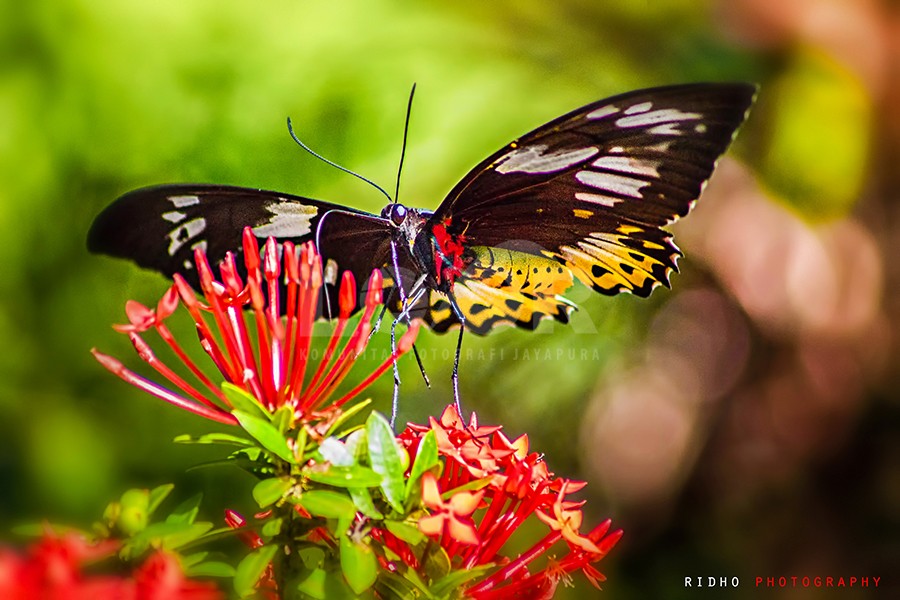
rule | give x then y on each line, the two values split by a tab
396	213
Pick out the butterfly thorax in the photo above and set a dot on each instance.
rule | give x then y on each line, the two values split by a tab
437	253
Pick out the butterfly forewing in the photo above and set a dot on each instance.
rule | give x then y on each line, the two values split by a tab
160	227
592	188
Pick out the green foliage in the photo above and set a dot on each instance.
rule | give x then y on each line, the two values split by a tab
251	568
358	564
387	459
818	149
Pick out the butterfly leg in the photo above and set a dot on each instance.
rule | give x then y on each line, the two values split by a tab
454	378
418	291
415	350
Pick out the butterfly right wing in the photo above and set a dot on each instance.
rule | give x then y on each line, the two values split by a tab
159	228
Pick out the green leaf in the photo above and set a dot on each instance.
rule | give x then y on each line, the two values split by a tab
251	568
457	579
157	495
314	585
312	556
210	568
358	564
282	418
364	503
395	586
386	457
169	536
436	563
426	459
328	504
347	415
270	491
244	402
189	560
214	438
302	438
357	445
324	585
266	434
271	527
406	532
356	476
187	511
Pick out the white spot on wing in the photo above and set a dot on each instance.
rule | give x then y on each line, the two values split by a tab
617	184
182	201
665	115
597	199
289	219
532	159
628	164
639	108
331	271
182	234
174	216
602	112
201	246
667	129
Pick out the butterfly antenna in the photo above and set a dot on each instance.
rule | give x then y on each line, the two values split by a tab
412	93
334	164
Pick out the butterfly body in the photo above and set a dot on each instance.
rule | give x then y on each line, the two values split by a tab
583	197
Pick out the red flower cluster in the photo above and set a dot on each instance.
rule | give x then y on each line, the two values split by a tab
274	368
54	567
488	488
512	484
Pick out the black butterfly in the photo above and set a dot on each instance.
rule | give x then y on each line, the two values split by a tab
582	197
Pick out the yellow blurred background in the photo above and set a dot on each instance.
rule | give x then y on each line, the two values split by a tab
743	424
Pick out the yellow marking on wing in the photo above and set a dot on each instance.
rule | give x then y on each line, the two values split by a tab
629	229
582	213
504	286
603	262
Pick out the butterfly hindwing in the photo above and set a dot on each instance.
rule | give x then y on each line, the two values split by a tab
592	188
501	286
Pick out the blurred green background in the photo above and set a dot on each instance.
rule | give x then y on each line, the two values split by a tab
743	424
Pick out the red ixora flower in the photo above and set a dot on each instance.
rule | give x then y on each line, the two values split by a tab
273	368
53	567
512	484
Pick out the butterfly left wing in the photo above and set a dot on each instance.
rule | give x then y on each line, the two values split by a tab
159	227
591	191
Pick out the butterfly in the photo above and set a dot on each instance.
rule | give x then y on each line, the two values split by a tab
584	197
